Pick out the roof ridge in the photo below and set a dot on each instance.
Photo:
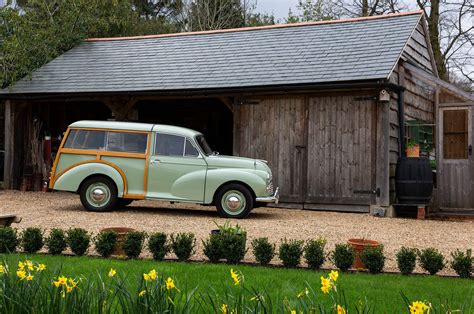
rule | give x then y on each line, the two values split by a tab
243	29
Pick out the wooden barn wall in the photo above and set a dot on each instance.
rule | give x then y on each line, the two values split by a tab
417	50
419	104
2	127
321	147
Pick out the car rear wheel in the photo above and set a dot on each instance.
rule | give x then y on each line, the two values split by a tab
98	194
234	201
122	202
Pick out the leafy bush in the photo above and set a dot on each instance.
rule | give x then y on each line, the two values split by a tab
290	252
343	256
133	243
462	263
183	245
263	250
431	260
213	248
158	246
8	239
32	240
373	258
314	253
78	240
105	243
56	241
233	247
406	260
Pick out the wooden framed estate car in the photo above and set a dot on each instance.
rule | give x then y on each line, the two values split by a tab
112	163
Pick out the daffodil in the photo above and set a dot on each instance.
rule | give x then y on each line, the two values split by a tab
29	264
40	267
62	281
21	265
235	277
21	274
69	289
146	277
3	269
153	274
170	283
29	277
112	272
293	312
341	309
325	285
72	283
142	293
224	308
419	307
333	275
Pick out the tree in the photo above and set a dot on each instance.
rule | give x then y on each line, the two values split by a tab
215	14
311	10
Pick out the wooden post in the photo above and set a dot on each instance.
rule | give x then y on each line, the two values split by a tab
236	130
382	178
9	145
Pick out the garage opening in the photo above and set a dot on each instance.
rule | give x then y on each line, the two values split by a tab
209	116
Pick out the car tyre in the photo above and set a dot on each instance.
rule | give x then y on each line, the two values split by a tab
98	194
234	201
123	202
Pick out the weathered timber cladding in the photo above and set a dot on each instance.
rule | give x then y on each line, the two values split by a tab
271	130
417	50
341	135
2	127
320	148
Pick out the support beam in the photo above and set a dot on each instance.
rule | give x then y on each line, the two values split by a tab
382	178
122	108
9	145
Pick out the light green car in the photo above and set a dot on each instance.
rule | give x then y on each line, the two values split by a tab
113	163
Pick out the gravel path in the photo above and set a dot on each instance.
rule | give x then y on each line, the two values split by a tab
63	210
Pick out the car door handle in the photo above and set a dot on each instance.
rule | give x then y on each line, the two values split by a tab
155	161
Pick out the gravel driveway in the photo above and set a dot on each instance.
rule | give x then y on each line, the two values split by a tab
63	210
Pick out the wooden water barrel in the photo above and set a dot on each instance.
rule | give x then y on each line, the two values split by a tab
414	180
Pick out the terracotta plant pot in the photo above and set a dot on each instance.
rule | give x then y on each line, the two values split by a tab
359	245
413	151
121	233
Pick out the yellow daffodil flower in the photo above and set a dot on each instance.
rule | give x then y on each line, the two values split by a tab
69	289
153	274
112	272
325	285
29	264
21	274
293	312
72	283
333	275
146	277
142	293
170	284
3	269
235	277
40	267
62	281
21	266
30	277
341	309
419	307
224	308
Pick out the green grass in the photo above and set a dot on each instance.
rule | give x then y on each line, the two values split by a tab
381	290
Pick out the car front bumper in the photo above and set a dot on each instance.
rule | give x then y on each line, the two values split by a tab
269	199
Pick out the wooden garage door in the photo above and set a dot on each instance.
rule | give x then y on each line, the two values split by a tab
273	129
341	146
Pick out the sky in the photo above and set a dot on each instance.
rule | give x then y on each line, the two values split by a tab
278	7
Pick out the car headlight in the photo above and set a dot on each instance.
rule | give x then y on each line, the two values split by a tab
269	188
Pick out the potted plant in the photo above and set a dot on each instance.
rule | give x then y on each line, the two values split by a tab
359	245
121	233
413	149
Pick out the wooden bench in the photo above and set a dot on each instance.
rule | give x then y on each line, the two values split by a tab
8	219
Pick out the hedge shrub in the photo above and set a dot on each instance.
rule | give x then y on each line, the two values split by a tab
105	243
373	258
290	252
8	239
157	244
183	245
314	253
78	240
343	256
263	250
431	260
133	243
56	241
462	263
212	248
406	260
32	240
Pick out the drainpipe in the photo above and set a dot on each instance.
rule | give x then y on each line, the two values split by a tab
401	123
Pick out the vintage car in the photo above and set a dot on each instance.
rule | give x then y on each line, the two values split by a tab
113	163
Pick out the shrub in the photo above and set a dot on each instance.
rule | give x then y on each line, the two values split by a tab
431	260
263	250
290	252
213	248
373	258
32	240
406	260
343	256
56	241
78	240
8	239
462	263
183	245
314	253
158	246
133	243
105	243
233	247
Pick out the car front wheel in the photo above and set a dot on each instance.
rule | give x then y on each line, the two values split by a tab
234	201
98	194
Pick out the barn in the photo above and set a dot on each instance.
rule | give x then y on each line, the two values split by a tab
322	102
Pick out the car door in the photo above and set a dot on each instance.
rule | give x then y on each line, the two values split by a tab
177	170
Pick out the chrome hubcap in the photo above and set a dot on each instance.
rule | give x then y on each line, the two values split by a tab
98	195
233	202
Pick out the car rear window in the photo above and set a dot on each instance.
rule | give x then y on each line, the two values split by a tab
107	140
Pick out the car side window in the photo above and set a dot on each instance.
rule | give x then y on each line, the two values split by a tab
190	150
85	139
126	142
169	145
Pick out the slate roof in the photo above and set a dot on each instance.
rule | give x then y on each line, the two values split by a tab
308	53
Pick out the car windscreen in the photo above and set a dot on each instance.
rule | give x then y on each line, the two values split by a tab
204	145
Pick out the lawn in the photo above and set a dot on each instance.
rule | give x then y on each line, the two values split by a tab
381	290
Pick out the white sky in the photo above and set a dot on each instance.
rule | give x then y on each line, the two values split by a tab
278	7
